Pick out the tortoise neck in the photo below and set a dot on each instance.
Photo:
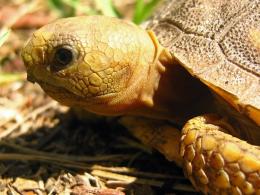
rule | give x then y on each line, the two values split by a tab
178	96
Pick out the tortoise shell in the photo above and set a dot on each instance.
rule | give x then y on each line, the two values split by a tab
217	42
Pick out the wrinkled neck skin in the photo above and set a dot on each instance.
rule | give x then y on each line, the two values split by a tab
162	89
178	97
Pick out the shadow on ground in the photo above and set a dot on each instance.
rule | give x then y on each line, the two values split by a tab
68	154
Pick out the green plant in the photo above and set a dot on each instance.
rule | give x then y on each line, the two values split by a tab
107	8
66	8
143	10
4	33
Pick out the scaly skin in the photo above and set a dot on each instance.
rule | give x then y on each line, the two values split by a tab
113	67
106	59
217	162
214	161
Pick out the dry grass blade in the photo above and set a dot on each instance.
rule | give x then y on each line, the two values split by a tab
47	159
63	162
122	174
126	178
4	34
67	157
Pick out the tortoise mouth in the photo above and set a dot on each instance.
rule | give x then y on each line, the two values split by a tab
68	98
60	94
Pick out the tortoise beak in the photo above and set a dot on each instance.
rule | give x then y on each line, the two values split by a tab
33	56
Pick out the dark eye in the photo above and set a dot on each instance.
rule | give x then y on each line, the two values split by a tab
63	56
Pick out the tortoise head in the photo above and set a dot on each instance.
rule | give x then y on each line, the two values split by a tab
99	63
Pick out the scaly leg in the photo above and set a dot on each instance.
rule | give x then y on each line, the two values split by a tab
156	134
214	161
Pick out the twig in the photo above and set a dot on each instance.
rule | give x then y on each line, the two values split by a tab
126	178
66	157
83	166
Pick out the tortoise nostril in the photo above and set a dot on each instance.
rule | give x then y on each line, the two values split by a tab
30	78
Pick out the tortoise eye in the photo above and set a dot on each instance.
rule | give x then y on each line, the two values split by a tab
63	56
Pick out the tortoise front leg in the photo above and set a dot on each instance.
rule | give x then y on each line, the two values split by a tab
217	162
156	134
214	161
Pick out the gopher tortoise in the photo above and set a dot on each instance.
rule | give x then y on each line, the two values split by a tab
195	66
